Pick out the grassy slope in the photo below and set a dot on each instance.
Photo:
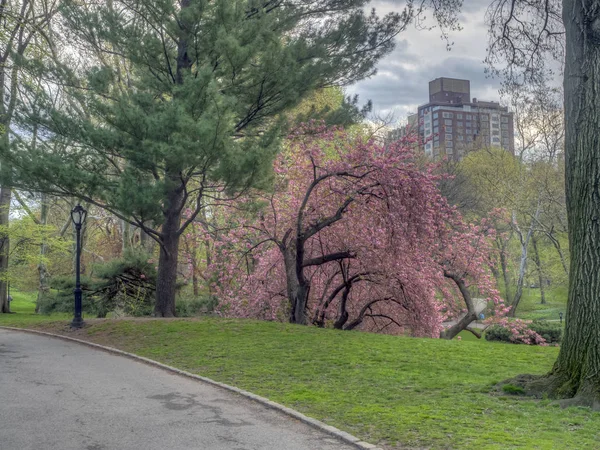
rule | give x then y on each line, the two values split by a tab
390	390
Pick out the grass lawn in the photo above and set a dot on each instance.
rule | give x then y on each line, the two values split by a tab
397	392
531	308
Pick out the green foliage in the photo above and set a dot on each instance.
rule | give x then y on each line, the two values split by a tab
513	390
125	284
61	300
498	333
26	237
180	118
550	331
191	306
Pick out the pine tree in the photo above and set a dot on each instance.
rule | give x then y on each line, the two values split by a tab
170	104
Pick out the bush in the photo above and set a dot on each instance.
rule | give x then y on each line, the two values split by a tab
125	284
189	307
550	331
515	331
60	298
498	333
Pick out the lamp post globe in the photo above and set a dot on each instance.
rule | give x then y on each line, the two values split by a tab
78	215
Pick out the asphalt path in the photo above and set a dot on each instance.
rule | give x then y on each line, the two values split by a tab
62	395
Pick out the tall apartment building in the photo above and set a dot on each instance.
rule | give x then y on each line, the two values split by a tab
450	124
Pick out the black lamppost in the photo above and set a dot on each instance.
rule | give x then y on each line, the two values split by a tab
78	216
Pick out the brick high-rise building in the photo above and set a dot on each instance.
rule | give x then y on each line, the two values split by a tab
450	124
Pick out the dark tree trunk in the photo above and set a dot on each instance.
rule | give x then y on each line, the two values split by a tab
5	196
297	290
538	264
166	279
576	373
470	315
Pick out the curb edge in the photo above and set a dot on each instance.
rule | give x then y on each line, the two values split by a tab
333	431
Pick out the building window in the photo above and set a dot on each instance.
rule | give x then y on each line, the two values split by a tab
435	115
504	126
468	117
448	122
460	137
448	129
459	116
495	133
436	130
435	123
504	119
448	144
459	124
485	117
448	137
447	115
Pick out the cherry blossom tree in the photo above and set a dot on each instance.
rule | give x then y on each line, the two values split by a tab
354	236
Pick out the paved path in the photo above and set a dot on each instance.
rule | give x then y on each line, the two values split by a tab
62	395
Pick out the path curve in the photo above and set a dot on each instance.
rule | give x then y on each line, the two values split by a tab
63	395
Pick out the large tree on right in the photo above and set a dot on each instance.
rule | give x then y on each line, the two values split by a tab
524	35
576	373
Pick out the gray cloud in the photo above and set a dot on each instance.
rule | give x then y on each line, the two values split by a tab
401	82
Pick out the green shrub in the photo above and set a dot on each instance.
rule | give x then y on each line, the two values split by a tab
513	390
498	333
125	284
194	306
61	299
550	331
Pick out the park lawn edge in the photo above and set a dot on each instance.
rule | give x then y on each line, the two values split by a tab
342	435
149	338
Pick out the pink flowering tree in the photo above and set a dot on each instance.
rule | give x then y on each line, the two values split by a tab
353	236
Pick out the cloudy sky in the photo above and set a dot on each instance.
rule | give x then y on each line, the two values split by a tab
401	83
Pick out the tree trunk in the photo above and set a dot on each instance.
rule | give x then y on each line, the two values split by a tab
576	372
297	290
5	196
166	279
538	264
470	315
126	236
523	264
43	287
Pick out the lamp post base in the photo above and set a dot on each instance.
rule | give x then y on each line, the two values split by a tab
77	322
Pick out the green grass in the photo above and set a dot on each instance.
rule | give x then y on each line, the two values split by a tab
394	391
531	308
23	309
397	392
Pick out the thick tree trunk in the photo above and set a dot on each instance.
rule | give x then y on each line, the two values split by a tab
297	290
538	264
166	279
576	372
470	315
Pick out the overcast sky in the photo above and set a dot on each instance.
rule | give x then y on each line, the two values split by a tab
401	82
